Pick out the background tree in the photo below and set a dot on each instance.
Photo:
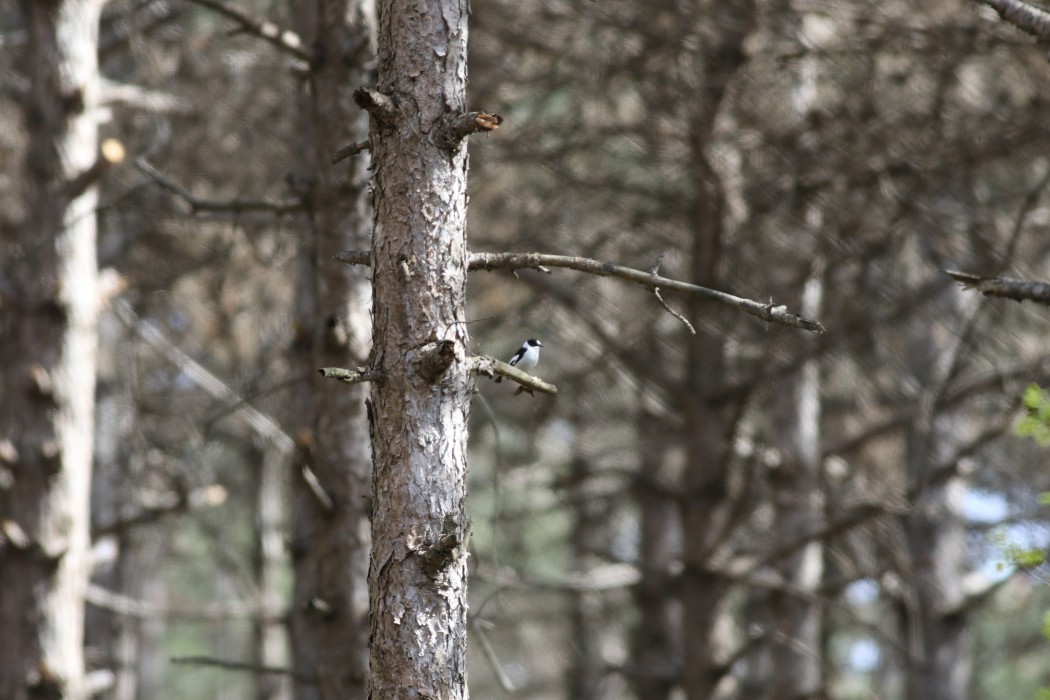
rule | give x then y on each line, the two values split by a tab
50	317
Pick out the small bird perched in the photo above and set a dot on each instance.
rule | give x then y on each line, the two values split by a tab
526	357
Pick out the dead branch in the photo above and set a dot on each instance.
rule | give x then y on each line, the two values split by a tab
382	107
351	376
1005	287
350	149
540	261
488	366
285	40
242	666
1028	18
234	206
457	127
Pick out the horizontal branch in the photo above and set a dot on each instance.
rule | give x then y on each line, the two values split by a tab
382	107
350	149
285	40
351	376
110	153
539	261
121	604
489	366
259	423
1005	287
236	206
242	666
1028	18
458	126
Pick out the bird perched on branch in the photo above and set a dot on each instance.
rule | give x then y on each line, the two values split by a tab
526	357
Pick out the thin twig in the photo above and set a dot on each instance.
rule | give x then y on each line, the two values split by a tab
538	261
236	206
242	666
283	39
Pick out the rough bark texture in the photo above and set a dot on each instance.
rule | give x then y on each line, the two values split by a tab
417	582
48	349
329	617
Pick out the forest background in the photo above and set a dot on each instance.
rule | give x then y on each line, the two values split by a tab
712	505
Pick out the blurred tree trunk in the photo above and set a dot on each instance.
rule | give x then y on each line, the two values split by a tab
48	355
418	576
656	653
935	625
329	616
269	564
585	675
707	424
798	499
934	620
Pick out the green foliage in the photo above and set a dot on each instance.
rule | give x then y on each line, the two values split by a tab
1036	424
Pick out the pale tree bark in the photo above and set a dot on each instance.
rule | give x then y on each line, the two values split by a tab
417	582
329	616
269	563
48	355
797	614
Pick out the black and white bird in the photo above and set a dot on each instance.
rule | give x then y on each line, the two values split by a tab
526	357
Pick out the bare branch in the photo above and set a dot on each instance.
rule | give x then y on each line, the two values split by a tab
350	149
132	607
488	366
236	206
458	126
382	107
355	257
110	153
351	376
177	500
1006	287
680	317
1028	18
241	666
539	261
283	39
260	424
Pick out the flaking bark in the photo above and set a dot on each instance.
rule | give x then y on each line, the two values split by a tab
417	582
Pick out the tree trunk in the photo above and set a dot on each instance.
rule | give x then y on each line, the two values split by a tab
656	652
708	438
269	564
585	672
47	352
417	581
934	619
799	506
329	617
